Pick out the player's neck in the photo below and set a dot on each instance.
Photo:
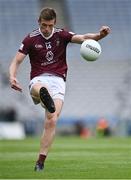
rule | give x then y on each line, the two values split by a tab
48	36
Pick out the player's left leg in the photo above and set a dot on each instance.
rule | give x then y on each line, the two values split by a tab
48	133
40	94
47	100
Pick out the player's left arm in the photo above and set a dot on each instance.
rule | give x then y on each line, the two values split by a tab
103	32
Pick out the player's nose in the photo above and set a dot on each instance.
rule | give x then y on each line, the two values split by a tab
47	29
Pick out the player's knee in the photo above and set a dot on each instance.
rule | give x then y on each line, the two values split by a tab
35	89
51	121
50	124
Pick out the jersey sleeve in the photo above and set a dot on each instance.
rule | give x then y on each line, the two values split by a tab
25	46
67	36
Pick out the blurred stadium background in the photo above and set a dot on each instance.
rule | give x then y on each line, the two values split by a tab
95	91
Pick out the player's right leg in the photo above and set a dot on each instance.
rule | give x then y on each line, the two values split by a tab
48	134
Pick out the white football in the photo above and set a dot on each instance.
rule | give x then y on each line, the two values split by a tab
90	50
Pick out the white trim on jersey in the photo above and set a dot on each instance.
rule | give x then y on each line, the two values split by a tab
35	33
57	30
45	36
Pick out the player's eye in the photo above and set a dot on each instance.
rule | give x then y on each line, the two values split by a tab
51	26
43	25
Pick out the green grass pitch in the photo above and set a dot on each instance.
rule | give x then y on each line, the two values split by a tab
69	158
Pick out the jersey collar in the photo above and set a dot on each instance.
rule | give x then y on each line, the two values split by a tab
48	36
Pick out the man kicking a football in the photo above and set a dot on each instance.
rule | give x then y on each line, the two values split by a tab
46	47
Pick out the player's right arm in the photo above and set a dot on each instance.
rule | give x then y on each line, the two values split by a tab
17	60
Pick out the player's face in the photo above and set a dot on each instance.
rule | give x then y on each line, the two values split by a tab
46	27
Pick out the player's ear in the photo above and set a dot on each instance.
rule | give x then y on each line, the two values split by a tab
38	21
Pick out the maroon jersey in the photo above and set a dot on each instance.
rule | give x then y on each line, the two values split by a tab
47	54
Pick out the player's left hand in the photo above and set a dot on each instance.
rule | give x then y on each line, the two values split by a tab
104	31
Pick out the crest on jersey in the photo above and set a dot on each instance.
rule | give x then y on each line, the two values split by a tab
58	42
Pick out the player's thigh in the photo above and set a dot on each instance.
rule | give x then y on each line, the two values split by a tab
36	88
58	105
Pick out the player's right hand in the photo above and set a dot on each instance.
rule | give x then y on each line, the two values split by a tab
15	84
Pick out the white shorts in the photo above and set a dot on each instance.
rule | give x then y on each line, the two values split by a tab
54	84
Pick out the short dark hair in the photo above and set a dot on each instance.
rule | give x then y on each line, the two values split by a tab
47	14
